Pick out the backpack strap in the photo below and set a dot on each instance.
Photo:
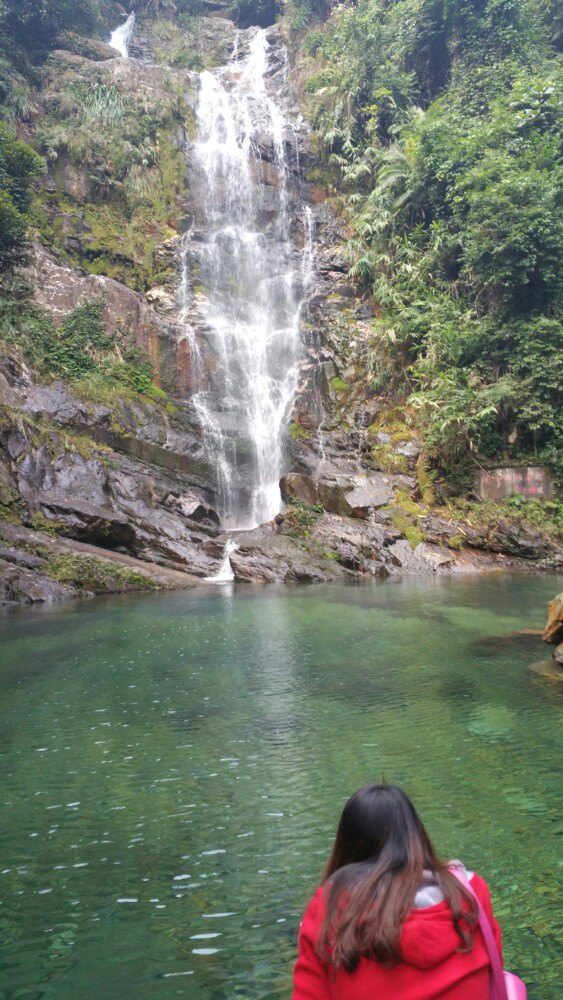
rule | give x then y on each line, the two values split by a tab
498	986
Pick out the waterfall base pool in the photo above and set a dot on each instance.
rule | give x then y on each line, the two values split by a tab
173	768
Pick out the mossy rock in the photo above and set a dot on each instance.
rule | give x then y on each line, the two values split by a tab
88	48
388	461
99	576
299	433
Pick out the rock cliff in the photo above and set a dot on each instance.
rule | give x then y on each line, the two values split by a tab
129	480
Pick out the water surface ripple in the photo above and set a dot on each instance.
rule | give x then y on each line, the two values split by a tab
173	767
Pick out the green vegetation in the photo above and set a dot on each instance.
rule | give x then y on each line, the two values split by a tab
118	173
19	165
47	525
111	151
339	385
91	574
404	514
80	350
35	26
386	459
439	126
299	433
243	12
300	516
542	516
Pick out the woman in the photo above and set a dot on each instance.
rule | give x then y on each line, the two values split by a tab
391	921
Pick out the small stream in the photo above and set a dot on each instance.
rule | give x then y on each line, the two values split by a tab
173	767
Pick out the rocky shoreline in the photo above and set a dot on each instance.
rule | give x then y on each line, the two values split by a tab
126	484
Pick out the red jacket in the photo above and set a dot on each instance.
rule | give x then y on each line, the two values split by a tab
431	967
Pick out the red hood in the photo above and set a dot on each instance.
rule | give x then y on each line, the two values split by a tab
429	936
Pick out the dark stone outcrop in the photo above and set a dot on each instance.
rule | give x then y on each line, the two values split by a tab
335	548
140	496
30	562
88	523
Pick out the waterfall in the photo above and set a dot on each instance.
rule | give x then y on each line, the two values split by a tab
308	262
249	275
121	37
225	573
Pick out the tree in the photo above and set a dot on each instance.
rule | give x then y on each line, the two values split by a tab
35	24
19	165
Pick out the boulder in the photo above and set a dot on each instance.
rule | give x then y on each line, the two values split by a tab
265	556
558	654
360	548
88	522
553	631
349	496
368	493
161	298
422	559
21	585
193	508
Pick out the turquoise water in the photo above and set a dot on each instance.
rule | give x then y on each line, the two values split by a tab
173	767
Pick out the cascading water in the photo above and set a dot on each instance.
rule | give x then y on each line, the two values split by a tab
249	275
225	573
121	37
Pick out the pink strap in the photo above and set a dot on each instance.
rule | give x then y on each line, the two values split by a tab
498	985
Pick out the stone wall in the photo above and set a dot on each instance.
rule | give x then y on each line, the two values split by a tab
529	481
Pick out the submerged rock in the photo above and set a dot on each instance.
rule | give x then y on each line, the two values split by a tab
549	670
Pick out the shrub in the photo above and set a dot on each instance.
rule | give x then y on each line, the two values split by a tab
19	165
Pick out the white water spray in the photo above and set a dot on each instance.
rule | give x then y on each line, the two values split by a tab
251	275
121	37
225	574
308	259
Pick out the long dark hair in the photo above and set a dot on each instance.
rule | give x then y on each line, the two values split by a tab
372	876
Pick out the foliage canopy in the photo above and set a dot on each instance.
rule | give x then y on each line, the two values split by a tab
440	125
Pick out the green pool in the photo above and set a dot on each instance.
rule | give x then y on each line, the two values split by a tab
173	767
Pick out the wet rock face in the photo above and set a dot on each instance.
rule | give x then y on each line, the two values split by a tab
138	496
192	508
332	548
20	585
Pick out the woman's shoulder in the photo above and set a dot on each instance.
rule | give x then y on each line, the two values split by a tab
477	883
315	912
460	867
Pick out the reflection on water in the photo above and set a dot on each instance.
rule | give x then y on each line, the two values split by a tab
173	767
